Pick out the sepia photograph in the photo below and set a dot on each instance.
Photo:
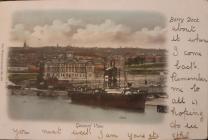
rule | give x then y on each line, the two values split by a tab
87	65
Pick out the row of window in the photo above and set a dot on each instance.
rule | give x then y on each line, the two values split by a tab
70	69
72	75
66	75
70	65
74	65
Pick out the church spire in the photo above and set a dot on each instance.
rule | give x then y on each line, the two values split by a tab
25	44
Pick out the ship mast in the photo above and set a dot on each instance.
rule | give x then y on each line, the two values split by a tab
125	74
86	74
104	70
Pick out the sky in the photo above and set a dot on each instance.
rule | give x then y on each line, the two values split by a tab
89	28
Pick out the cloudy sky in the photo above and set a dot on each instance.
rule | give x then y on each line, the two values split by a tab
89	28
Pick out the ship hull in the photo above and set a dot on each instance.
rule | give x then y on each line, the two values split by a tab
129	102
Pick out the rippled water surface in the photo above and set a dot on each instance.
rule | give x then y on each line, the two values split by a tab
61	109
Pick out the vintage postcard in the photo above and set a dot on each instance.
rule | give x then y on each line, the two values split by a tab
104	70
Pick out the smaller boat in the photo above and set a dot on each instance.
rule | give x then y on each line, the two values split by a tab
162	108
46	93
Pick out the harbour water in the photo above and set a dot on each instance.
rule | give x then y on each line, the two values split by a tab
61	109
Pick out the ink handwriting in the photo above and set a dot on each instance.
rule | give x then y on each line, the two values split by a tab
52	131
192	65
18	132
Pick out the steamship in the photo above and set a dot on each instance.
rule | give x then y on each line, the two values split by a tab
112	95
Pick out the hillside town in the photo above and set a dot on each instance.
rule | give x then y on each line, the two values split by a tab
45	67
